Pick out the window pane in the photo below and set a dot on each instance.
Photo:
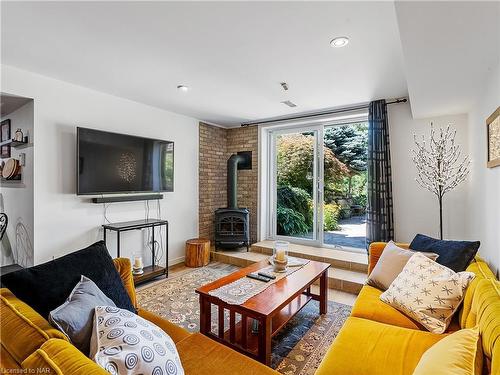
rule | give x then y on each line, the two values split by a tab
345	154
295	183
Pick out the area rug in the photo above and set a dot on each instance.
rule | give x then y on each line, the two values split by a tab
297	349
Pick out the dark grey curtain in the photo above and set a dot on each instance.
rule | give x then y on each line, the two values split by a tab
379	215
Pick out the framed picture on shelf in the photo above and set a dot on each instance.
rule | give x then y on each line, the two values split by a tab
5	136
493	134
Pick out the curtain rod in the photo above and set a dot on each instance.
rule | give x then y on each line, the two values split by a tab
310	115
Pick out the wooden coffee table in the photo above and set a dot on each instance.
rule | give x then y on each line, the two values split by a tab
272	308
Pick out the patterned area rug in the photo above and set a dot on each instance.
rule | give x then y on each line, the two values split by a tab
297	349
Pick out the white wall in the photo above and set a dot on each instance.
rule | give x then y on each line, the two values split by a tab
65	222
416	210
483	215
17	198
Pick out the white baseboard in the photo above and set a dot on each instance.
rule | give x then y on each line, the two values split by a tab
174	261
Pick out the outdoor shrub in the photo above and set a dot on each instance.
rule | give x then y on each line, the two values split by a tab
359	200
298	200
345	213
331	214
290	222
295	158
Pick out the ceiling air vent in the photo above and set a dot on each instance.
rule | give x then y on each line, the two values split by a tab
289	103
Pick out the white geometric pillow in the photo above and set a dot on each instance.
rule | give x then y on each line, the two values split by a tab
428	292
124	343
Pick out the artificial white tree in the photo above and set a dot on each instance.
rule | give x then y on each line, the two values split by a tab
440	165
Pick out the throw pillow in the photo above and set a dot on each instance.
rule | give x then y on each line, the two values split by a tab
46	286
458	354
74	317
456	255
428	292
124	343
390	264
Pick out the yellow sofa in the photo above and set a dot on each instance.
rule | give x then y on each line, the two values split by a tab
379	340
30	344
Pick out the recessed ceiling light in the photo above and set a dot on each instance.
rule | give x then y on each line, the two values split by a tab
340	41
182	88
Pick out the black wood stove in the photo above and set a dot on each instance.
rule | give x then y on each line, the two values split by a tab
232	224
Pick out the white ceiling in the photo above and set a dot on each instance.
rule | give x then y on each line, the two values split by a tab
233	55
449	48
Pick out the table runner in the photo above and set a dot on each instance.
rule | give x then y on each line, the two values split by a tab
241	290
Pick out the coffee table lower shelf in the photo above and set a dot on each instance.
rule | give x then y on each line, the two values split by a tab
277	323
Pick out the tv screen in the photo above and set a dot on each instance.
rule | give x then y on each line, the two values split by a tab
120	163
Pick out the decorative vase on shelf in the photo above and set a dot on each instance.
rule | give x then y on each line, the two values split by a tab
18	135
280	256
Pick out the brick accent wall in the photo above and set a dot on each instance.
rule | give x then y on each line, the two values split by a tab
246	139
216	146
212	176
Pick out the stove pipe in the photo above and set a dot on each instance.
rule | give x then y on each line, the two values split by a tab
232	180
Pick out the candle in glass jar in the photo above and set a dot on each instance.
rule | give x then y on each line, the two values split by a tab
280	255
138	262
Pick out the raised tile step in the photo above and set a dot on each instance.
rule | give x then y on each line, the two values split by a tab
337	258
338	278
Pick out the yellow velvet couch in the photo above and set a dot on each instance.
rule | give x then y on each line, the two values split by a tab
379	340
29	344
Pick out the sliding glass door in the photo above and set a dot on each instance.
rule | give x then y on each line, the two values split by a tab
295	177
317	189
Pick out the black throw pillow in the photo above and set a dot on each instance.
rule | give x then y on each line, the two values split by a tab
456	255
47	286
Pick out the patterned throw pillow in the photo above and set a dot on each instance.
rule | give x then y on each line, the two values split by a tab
124	343
428	292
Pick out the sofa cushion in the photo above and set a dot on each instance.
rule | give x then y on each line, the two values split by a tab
175	332
485	313
369	306
203	356
22	329
456	255
457	354
365	347
60	357
482	271
124	268
46	286
7	361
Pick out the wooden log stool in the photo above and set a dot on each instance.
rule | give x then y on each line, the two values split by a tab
197	252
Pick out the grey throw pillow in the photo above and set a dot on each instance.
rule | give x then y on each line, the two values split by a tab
75	316
390	265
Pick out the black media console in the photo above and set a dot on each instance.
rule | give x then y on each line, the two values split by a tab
154	270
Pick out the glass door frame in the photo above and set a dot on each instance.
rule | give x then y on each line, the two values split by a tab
270	167
318	172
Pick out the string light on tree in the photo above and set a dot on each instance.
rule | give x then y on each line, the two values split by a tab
440	164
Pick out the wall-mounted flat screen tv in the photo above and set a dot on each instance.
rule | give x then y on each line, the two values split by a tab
120	163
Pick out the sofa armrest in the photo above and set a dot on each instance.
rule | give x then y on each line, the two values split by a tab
56	357
124	268
375	251
175	332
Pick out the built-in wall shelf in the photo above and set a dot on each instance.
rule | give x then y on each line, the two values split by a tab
16	144
15	182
